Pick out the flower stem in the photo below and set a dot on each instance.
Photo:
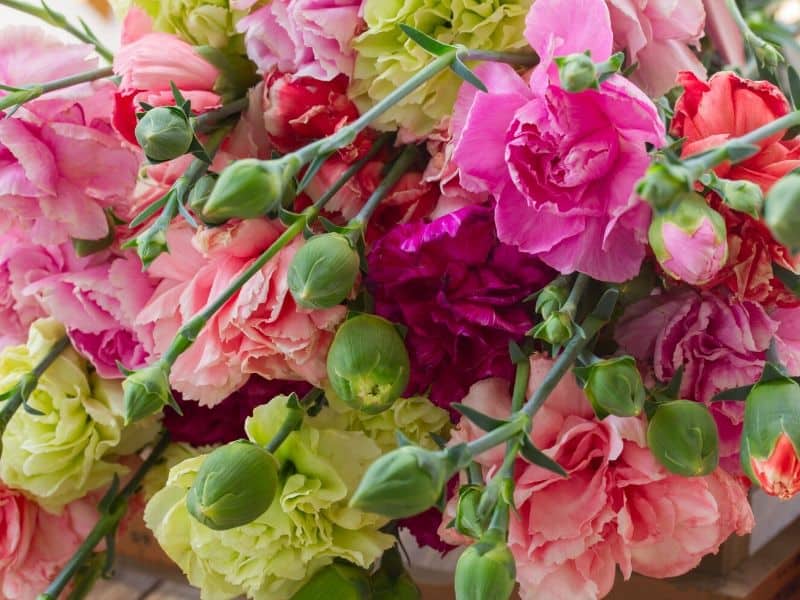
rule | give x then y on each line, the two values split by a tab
766	54
27	385
48	15
107	524
31	92
209	121
522	59
576	294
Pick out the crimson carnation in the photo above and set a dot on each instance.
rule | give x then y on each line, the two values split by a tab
460	293
202	426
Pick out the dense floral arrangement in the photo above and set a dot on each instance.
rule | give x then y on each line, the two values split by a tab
292	277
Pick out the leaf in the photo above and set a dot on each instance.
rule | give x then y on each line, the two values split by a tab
150	210
288	217
532	454
789	278
673	388
794	86
518	355
311	171
30	410
463	71
187	216
734	395
426	42
483	421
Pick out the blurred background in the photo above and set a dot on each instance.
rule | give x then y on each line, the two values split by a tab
96	13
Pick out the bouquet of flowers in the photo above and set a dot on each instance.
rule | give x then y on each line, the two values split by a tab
292	277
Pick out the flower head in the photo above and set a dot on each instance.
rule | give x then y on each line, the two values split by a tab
387	58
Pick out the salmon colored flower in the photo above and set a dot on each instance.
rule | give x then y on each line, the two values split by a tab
779	473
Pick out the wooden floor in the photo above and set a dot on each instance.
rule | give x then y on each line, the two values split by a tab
131	582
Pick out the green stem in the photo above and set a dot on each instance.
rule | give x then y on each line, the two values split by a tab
56	19
33	91
576	294
209	121
107	524
502	434
28	384
522	59
398	169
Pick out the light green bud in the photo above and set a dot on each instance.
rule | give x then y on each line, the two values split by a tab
742	195
577	72
683	436
555	330
403	483
486	570
251	188
468	521
164	133
235	485
324	271
150	244
663	185
368	365
615	387
782	211
201	192
338	580
552	298
146	392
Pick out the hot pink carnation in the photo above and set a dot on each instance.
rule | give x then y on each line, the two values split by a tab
720	342
308	38
562	166
617	508
260	330
658	35
35	545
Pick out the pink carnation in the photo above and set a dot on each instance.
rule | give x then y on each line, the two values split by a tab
720	342
260	330
308	38
617	509
562	166
35	545
658	36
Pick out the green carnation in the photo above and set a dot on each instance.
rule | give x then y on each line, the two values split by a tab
199	22
307	526
73	446
387	58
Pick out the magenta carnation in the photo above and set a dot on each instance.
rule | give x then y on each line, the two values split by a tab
459	291
562	166
202	426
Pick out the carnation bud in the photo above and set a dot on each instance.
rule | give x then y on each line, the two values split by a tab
577	72
201	192
771	430
662	185
742	195
486	570
251	188
782	211
235	485
146	392
324	271
683	436
615	387
337	580
368	365
164	133
403	483
555	330
468	521
150	244
552	298
690	240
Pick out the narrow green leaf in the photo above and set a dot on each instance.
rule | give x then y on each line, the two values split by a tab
789	278
426	42
483	421
463	71
532	454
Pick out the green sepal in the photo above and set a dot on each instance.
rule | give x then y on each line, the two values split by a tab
533	455
483	421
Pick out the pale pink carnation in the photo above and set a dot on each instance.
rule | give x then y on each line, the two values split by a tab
694	256
660	36
562	166
307	38
35	544
260	330
617	509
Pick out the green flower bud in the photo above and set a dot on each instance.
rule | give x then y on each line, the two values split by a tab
146	392
164	133
615	387
555	330
403	483
782	211
324	271
201	192
662	185
235	485
338	580
683	436
577	72
368	365
486	570
251	188
552	298
150	244
468	521
742	195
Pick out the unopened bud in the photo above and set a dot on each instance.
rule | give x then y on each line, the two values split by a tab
150	244
324	271
486	570
577	72
403	483
556	329
468	521
742	195
368	365
782	211
251	188
146	392
552	298
683	436
614	387
164	133
201	192
662	185
689	240
235	485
